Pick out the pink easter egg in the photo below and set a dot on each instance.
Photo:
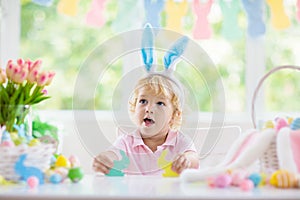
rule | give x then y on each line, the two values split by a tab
238	177
246	185
7	143
74	161
32	182
211	182
222	181
280	123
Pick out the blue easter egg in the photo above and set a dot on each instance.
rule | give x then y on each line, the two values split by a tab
55	178
295	125
255	178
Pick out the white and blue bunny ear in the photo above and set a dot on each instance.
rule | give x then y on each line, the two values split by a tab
174	52
147	48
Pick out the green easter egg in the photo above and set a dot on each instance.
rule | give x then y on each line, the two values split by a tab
75	174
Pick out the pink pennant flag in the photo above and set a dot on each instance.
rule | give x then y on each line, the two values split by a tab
94	16
298	10
202	29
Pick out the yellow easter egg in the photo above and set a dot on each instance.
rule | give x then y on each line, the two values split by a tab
2	180
269	124
34	142
14	136
263	179
62	161
283	179
290	120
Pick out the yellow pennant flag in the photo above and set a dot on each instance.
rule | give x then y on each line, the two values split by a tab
68	7
175	11
279	19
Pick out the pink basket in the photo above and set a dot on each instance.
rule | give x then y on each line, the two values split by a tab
269	160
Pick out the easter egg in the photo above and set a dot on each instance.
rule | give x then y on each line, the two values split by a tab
55	178
62	161
74	161
268	124
7	144
75	174
290	120
222	181
33	142
255	178
283	179
280	123
238	177
246	185
295	125
62	171
32	182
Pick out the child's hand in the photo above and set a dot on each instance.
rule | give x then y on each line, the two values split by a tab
103	162
180	163
184	161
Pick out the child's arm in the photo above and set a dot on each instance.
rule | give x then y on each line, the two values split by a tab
189	159
104	161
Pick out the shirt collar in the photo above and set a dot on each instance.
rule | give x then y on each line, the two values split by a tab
170	141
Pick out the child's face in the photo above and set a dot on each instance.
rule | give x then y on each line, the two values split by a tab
153	113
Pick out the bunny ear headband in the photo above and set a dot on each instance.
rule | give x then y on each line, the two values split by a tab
170	57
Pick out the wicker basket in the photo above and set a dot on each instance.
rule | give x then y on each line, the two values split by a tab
269	160
37	156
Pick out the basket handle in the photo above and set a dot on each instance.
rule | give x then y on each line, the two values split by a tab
260	84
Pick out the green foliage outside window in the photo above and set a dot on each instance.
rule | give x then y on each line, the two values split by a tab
64	42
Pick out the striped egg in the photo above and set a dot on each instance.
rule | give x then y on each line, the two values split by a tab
283	179
295	125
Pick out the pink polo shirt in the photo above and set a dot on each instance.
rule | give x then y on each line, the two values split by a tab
145	162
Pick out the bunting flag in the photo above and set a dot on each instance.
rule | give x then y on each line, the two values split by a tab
153	10
254	11
175	10
230	10
128	15
202	29
94	16
43	2
279	19
68	7
298	10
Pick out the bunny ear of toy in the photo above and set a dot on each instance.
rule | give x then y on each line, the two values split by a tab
147	47
175	52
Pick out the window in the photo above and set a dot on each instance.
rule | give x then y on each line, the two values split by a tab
64	42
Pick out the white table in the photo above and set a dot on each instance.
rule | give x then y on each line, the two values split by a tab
138	187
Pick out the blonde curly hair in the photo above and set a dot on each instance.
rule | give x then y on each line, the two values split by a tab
161	85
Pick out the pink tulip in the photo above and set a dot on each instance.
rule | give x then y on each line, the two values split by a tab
36	65
19	74
20	62
50	77
33	68
42	78
9	69
2	76
32	76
